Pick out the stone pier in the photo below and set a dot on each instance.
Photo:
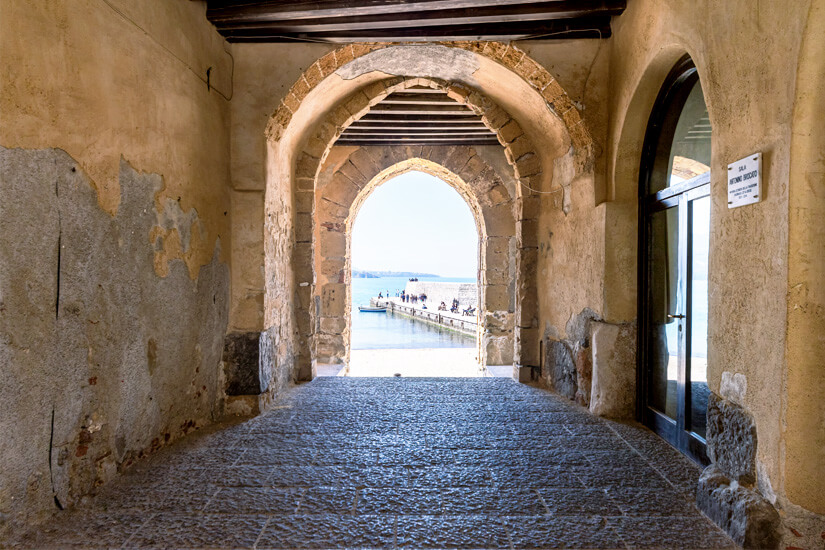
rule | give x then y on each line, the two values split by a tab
465	324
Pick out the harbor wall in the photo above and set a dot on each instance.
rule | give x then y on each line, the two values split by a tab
466	293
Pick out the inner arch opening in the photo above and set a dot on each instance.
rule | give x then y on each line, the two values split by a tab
415	250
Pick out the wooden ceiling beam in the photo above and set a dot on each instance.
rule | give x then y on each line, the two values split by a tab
464	128
418	99
590	27
402	142
420	129
544	11
469	118
389	132
227	11
420	90
455	109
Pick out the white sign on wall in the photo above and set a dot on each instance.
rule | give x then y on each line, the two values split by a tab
745	181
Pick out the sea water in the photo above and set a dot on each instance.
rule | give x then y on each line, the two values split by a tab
387	331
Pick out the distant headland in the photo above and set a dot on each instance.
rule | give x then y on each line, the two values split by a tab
361	274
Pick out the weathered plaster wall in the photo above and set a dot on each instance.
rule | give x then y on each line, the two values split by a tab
103	360
115	228
570	233
82	75
263	76
804	444
750	93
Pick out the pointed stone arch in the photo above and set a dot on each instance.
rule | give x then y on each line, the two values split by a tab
343	189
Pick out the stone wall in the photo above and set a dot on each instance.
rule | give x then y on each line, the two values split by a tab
119	142
727	490
114	238
762	339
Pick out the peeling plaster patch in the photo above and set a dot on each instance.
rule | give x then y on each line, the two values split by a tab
434	61
734	387
172	217
578	326
115	395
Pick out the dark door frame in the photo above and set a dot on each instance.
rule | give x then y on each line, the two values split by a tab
654	164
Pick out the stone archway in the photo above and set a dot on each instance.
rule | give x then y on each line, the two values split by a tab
342	188
519	153
303	131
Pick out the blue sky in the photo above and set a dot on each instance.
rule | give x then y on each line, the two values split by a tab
416	222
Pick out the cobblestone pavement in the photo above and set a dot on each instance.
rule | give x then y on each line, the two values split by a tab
414	463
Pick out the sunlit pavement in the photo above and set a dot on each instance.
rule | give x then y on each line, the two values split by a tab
432	362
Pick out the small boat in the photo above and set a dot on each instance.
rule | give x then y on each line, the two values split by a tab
369	309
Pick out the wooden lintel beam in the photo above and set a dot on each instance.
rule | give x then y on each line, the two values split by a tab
397	142
594	27
544	11
464	128
350	135
227	11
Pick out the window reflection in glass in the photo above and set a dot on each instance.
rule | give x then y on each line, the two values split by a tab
663	341
700	244
690	149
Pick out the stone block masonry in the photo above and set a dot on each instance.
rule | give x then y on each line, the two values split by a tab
727	490
490	197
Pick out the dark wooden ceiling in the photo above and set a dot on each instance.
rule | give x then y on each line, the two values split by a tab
418	116
341	21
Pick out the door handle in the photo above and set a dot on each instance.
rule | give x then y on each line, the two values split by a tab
669	316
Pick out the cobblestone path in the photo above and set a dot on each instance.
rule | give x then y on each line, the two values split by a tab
417	463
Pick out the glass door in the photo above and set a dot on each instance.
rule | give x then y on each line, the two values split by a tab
673	275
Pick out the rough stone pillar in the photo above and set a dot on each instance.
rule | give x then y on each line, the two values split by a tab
527	336
727	488
497	291
613	387
241	364
247	372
